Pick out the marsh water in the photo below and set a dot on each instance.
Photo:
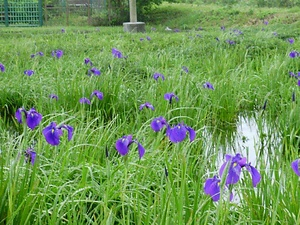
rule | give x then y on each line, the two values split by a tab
251	136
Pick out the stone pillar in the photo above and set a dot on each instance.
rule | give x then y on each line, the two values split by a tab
132	9
133	26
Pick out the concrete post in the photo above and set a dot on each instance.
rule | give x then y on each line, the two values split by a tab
133	26
132	10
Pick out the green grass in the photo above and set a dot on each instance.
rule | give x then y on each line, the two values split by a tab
187	16
77	183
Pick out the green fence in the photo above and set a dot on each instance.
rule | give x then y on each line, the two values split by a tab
21	13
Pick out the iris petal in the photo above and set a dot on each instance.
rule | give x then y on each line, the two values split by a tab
18	114
52	134
158	123
30	155
254	174
141	150
295	166
233	173
122	146
147	105
177	133
116	53
212	188
243	161
98	94
2	67
33	118
95	71
70	131
85	100
234	169
170	96
158	75
192	133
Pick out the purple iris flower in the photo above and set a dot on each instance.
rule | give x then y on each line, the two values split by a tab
57	53
170	96
185	69
178	133
212	188
30	156
63	30
223	28
98	94
141	39
94	71
237	32
87	61
295	166
2	67
147	105
158	123
85	100
148	38
33	118
29	72
53	96
292	74
37	54
235	165
293	54
52	133
116	53
158	75
208	85
266	22
291	40
231	42
122	145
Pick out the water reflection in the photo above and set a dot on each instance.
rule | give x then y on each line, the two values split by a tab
250	135
247	138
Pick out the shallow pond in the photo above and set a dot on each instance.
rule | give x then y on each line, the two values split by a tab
250	136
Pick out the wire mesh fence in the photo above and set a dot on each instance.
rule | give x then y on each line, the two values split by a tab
21	13
63	12
84	12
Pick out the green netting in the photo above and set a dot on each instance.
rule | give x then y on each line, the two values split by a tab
21	13
2	14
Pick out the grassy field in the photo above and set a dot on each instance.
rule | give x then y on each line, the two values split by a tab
243	52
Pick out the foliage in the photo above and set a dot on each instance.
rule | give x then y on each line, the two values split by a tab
118	11
259	3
